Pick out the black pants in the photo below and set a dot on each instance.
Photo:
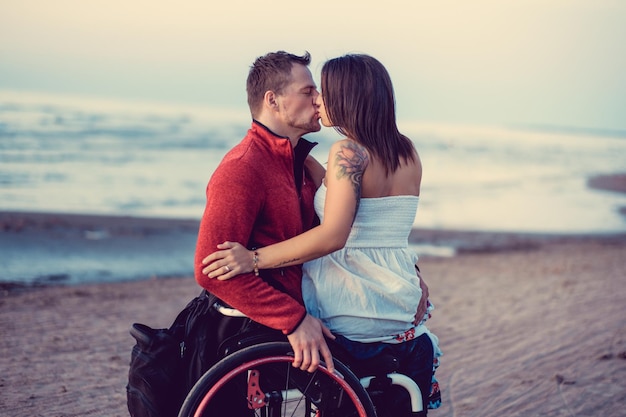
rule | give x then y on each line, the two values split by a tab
415	361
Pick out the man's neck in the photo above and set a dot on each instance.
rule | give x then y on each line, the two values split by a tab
278	128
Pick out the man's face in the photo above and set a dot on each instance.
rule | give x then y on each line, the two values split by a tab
297	103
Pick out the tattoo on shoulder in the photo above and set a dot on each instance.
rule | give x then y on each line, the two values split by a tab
350	162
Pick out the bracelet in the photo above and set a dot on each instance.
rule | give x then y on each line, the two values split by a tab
255	259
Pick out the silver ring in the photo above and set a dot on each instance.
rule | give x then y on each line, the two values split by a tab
227	268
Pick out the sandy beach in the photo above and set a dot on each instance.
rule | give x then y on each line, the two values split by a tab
530	325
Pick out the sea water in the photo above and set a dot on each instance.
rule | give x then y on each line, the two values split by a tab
77	155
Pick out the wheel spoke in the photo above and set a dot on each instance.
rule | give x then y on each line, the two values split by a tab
264	374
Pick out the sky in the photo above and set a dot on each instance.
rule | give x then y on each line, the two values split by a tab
557	63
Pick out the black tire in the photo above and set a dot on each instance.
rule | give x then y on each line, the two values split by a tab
224	390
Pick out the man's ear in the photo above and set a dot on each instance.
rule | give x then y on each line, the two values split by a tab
271	100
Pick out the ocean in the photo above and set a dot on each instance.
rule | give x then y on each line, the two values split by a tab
77	155
89	156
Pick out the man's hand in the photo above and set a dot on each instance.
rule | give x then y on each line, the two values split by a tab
308	342
423	304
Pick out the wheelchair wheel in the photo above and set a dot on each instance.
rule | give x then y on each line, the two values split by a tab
260	381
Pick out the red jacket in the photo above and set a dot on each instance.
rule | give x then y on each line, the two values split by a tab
252	198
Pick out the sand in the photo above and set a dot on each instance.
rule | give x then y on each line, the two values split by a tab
529	332
530	326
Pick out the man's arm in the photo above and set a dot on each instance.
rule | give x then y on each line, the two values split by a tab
232	209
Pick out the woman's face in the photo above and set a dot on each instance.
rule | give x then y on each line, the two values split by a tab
322	111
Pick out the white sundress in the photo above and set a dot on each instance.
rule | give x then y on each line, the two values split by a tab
368	291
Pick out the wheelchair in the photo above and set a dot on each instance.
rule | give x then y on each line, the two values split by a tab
258	379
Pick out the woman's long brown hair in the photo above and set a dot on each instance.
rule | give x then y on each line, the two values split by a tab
359	100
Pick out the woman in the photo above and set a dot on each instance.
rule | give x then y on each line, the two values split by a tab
359	276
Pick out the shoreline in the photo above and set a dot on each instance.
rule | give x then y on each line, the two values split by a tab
42	249
49	249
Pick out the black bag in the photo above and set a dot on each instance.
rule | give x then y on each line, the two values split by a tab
166	363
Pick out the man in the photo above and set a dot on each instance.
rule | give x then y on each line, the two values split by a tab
261	194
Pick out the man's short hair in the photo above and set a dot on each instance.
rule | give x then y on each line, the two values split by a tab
271	72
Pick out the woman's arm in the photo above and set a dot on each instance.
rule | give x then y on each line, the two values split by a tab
315	169
347	161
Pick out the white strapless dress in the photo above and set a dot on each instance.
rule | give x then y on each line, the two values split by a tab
368	291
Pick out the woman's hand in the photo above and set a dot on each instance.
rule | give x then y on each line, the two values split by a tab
233	259
422	307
